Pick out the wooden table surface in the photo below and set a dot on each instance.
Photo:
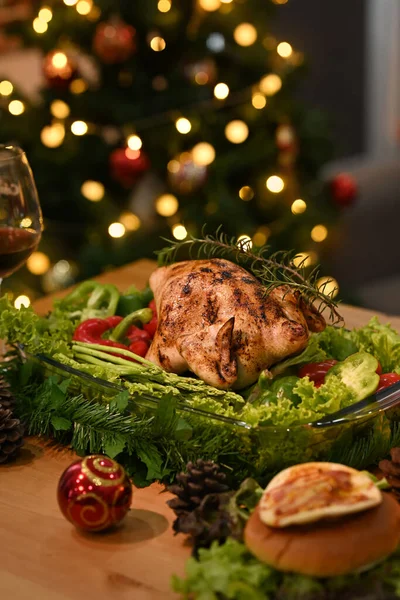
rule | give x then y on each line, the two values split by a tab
43	557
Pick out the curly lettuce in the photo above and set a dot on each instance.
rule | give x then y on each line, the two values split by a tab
231	572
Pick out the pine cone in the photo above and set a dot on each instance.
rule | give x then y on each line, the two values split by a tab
391	470
200	504
7	400
11	434
202	478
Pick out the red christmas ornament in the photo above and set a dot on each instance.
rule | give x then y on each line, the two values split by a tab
128	165
94	493
114	42
59	69
344	189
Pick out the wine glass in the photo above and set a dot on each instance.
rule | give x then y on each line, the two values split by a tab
21	222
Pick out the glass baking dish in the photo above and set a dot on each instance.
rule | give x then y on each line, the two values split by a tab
358	435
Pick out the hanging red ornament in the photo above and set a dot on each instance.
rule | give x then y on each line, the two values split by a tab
285	138
94	493
59	69
344	189
184	175
114	41
128	165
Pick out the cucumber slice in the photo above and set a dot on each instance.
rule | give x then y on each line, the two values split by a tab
358	373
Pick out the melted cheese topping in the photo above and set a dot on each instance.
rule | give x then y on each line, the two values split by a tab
312	491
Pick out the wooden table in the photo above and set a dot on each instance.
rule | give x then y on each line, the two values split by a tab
43	557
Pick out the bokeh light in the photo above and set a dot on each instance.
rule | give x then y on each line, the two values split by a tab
328	286
134	142
167	205
79	127
22	301
221	91
298	206
116	230
179	232
245	34
59	109
270	84
203	154
246	193
38	263
183	125
275	184
16	107
92	190
53	135
236	131
284	49
319	233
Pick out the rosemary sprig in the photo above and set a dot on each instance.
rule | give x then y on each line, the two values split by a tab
271	269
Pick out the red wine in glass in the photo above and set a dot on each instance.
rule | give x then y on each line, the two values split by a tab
16	245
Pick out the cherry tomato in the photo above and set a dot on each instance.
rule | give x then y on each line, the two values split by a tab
379	368
139	347
317	371
386	380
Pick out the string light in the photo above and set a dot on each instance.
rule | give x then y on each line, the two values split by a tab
45	14
201	78
328	286
210	5
244	242
298	206
22	301
284	49
53	135
183	125
275	184
245	34
164	6
261	236
84	7
270	84
130	221
258	100
79	127
173	166
16	107
6	88
215	42
38	263
116	230
167	205
221	91
246	193
203	154
78	86
59	109
39	26
319	233
236	132
70	2
59	60
157	43
179	232
134	142
92	190
305	259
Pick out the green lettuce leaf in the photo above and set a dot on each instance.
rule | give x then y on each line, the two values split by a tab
314	352
382	341
337	343
231	572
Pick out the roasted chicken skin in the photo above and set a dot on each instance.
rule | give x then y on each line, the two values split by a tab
215	320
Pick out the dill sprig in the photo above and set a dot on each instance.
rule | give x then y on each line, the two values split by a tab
272	269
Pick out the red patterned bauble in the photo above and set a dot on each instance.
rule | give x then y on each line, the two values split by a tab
94	493
184	175
114	42
59	69
344	189
127	165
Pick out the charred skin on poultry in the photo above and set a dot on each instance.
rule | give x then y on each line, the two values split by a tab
215	320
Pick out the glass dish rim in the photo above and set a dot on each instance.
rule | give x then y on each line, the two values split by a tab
350	416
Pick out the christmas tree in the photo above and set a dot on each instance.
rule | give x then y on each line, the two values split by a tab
157	117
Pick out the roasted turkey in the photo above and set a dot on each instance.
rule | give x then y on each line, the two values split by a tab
215	320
